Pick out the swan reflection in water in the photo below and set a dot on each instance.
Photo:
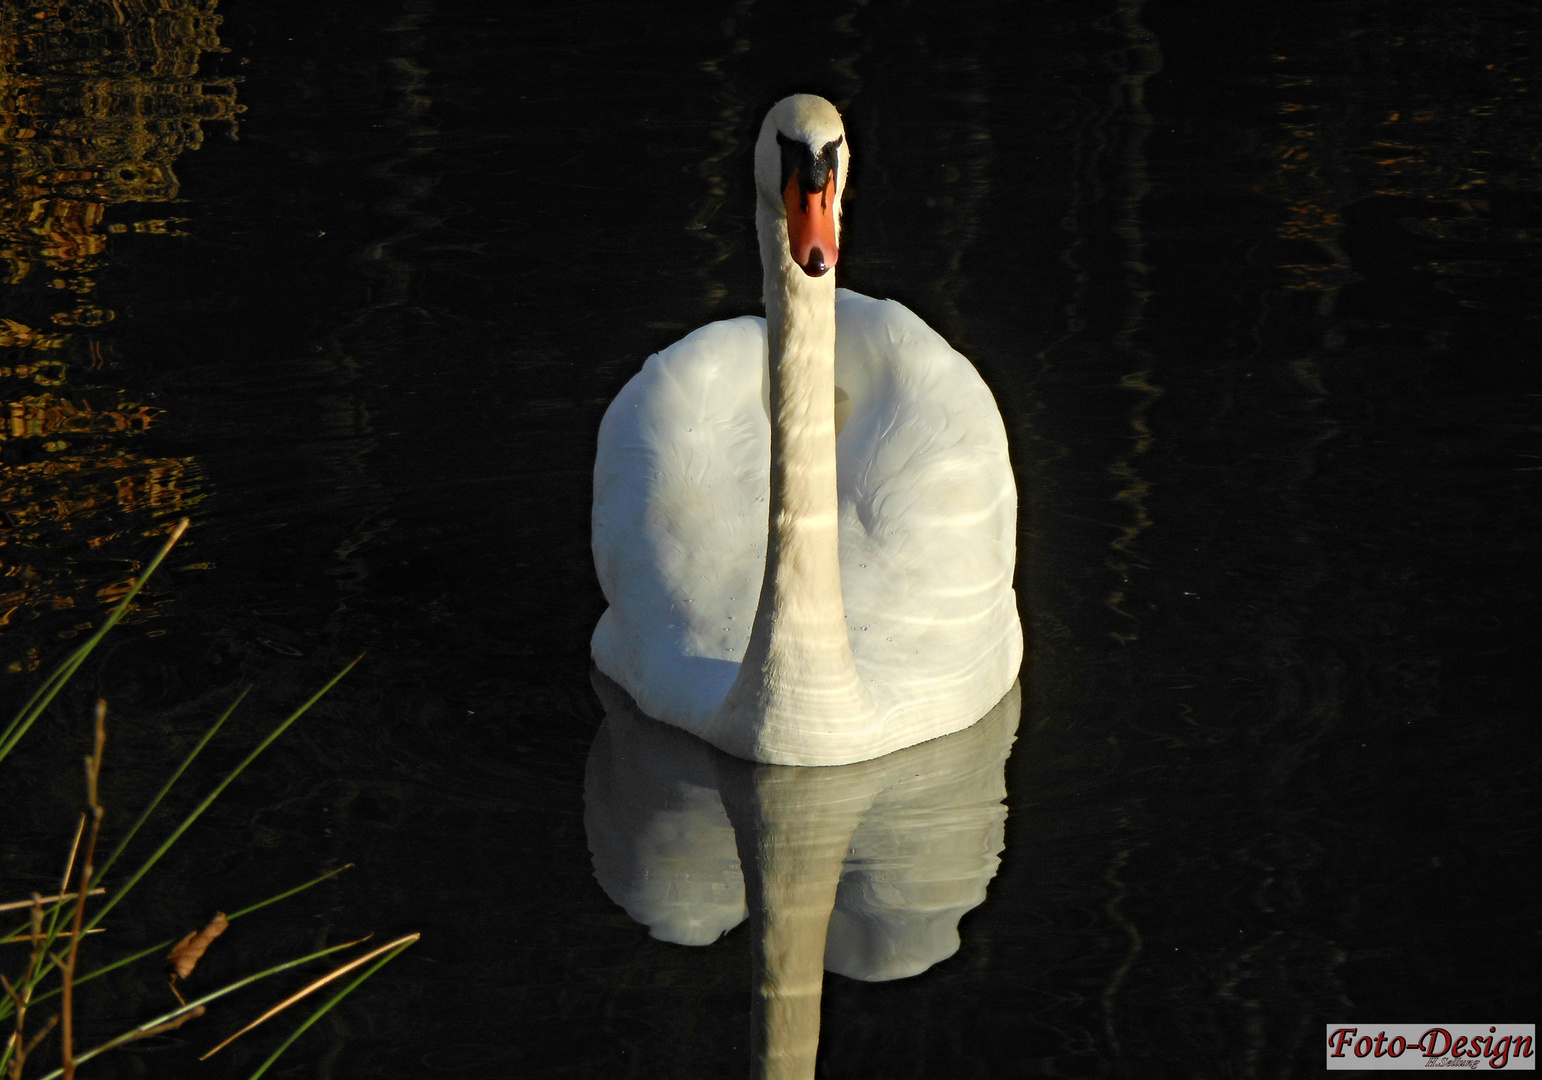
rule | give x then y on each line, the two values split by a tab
863	869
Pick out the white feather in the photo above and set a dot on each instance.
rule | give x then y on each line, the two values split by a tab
928	512
885	614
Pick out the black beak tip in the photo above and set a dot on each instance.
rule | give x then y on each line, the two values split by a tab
815	267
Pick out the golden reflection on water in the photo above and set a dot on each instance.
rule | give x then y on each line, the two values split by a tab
1442	144
97	102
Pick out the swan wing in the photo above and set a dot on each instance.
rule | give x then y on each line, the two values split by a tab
679	523
928	522
928	517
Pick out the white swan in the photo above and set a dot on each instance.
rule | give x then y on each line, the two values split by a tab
805	525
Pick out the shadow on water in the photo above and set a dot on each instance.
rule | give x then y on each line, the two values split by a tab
1257	289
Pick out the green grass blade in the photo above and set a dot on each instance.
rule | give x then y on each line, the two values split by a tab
88	976
144	868
113	900
44	695
324	1009
7	1007
230	988
171	782
21	928
54	908
286	895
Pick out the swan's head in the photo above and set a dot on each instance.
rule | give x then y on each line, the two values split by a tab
801	162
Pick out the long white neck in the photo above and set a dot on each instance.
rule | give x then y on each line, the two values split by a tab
797	699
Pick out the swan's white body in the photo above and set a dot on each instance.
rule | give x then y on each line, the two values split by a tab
887	616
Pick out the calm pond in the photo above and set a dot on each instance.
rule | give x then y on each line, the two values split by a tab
1257	287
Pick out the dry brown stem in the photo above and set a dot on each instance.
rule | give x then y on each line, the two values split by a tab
21	938
69	864
24	998
14	905
53	1022
94	809
10	992
311	988
159	1029
19	1056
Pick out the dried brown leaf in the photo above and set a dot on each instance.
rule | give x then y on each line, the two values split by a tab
185	954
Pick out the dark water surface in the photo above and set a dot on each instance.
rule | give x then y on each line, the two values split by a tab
1258	288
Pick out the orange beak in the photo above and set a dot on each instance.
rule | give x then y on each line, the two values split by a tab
811	226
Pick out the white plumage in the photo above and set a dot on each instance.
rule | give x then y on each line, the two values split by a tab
925	509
